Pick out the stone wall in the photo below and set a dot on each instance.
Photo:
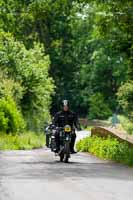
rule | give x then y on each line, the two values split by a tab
105	132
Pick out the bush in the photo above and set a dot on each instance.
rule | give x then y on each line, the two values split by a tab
11	119
109	148
125	98
126	124
25	141
10	88
99	109
27	79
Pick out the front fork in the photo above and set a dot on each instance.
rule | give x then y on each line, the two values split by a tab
67	145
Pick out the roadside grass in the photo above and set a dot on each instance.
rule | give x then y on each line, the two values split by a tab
107	149
24	141
88	128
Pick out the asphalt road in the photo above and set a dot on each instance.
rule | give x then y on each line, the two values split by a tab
38	175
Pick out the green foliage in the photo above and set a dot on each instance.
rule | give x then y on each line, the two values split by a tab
125	98
126	123
10	88
25	141
99	109
31	86
103	63
11	119
89	44
108	149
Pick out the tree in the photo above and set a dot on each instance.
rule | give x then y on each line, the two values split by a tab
125	98
99	108
30	69
89	45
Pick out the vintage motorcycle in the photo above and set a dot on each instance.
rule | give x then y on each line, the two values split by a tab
65	140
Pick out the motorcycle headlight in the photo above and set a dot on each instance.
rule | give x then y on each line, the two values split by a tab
67	128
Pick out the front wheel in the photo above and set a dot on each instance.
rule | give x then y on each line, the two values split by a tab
66	152
66	159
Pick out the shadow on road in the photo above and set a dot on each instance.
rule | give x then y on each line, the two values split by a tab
56	170
42	165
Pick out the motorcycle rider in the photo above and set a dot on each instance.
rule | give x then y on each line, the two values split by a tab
62	118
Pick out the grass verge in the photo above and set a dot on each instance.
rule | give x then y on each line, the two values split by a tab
107	149
88	128
25	141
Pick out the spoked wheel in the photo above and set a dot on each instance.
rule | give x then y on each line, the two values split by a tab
66	159
67	152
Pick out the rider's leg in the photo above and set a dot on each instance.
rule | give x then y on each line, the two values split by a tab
73	138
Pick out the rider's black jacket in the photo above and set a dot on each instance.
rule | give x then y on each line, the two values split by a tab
63	118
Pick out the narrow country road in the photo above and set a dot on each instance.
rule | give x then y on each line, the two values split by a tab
38	175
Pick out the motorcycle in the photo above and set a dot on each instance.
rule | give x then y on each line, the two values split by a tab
48	132
65	139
